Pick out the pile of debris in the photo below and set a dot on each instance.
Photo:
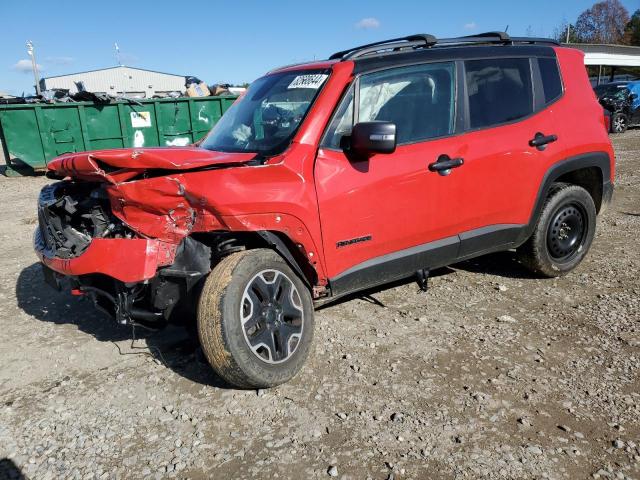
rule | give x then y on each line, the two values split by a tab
194	87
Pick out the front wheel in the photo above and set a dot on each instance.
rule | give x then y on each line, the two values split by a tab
563	233
255	319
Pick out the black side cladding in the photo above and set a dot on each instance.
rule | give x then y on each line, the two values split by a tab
192	263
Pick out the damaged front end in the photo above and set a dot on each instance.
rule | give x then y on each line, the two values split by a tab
133	278
137	230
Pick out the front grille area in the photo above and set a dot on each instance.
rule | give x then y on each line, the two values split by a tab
71	214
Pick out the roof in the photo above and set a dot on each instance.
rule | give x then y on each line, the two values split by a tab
452	53
313	65
113	68
605	48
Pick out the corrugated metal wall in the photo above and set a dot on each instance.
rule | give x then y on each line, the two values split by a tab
119	80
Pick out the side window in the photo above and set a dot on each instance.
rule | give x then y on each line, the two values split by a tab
420	100
499	90
342	122
551	82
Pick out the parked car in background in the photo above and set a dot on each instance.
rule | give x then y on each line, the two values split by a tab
622	100
383	162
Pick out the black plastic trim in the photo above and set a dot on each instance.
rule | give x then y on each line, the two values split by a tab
599	160
279	246
395	266
488	239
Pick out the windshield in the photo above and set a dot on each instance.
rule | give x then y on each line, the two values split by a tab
266	118
616	91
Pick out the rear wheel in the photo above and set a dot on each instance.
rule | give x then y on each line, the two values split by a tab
563	234
255	319
619	123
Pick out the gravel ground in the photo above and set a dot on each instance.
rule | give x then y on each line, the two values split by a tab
491	374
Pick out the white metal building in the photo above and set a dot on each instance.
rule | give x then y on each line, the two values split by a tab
609	60
133	82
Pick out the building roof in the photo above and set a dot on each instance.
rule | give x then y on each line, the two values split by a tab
118	80
603	54
113	68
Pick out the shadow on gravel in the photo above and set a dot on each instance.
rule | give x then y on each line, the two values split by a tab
9	470
174	346
501	264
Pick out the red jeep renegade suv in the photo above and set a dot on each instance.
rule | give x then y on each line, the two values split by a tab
382	162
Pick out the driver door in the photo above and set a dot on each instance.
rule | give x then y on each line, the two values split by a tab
387	214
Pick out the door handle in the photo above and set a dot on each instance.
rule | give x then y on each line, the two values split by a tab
444	164
540	140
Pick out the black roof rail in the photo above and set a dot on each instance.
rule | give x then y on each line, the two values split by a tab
425	41
538	40
496	37
486	37
412	41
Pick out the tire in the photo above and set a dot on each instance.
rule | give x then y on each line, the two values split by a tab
255	319
619	123
563	233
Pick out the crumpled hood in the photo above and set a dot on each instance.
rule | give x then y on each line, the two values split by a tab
121	165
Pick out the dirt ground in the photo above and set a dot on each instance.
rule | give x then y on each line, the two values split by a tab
491	374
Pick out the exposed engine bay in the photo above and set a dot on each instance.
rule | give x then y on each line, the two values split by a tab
71	215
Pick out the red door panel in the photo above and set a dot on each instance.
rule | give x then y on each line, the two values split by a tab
502	172
394	199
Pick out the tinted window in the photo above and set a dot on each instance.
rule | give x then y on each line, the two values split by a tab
418	99
551	83
499	90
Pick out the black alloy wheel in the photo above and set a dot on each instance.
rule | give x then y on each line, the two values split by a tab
272	316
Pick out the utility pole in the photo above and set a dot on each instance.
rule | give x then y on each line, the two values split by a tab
568	30
34	65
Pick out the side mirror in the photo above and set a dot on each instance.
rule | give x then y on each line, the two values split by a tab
369	138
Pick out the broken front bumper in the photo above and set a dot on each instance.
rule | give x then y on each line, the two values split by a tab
129	260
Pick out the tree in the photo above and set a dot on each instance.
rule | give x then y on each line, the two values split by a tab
604	22
632	30
560	33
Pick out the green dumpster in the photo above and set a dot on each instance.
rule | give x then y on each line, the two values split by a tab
33	134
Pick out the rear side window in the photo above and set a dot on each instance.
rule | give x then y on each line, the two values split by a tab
499	90
551	82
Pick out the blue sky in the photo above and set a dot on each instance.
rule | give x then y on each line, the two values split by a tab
238	41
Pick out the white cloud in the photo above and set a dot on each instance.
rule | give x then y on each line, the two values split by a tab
470	26
368	23
24	66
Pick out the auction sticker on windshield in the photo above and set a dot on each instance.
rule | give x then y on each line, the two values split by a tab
308	81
